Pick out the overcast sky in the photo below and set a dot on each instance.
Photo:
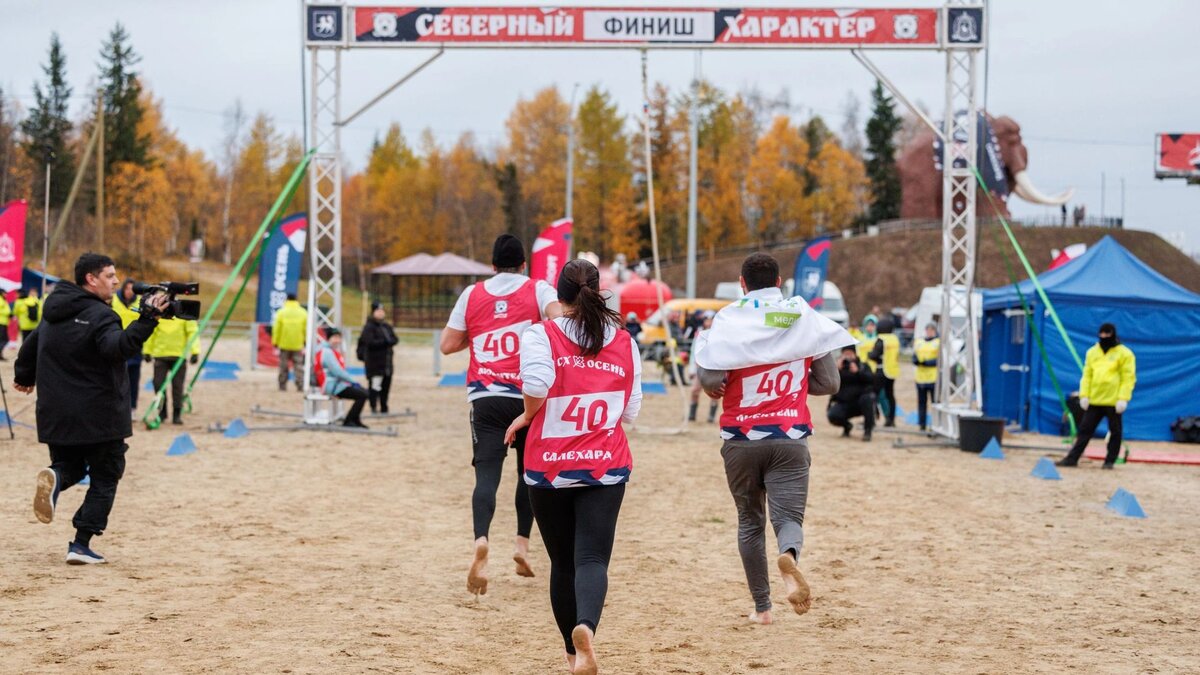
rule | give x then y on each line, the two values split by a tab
1090	83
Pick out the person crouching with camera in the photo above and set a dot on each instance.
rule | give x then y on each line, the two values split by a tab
76	361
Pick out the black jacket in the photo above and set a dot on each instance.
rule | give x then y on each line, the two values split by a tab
375	347
76	358
854	385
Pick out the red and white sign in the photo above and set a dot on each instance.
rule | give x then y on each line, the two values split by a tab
657	27
1177	156
551	251
12	244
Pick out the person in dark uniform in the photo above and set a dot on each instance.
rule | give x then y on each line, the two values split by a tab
856	397
375	347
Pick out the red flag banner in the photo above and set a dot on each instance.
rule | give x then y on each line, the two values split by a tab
550	251
12	244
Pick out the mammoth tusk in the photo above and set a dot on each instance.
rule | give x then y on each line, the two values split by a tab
1026	190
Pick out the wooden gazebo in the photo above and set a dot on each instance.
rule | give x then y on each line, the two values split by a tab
424	287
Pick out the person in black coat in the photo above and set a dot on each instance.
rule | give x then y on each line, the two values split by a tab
375	347
76	359
856	396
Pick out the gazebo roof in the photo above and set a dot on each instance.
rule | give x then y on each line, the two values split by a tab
425	265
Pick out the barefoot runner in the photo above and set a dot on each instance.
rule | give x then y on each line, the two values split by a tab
765	355
582	376
489	317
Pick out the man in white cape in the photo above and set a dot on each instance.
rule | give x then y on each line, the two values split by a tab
764	355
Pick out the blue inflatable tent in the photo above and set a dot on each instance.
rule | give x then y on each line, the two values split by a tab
1155	317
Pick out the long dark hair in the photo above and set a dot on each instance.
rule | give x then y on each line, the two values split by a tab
579	291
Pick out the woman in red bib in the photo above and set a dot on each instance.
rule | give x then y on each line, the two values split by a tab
582	378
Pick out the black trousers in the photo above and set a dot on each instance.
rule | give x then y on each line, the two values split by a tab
163	366
1087	427
578	526
379	397
105	463
490	417
840	413
133	367
359	396
925	394
887	398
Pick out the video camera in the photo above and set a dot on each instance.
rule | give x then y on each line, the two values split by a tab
176	309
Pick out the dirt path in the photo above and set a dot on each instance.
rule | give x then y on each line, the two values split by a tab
316	553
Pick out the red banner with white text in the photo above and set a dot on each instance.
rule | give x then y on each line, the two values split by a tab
656	27
550	251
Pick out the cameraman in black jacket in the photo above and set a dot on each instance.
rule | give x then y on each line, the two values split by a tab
76	359
856	396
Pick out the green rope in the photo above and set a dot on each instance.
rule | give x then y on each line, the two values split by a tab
151	418
1025	306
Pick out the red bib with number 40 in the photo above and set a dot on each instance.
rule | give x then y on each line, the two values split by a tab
494	326
576	438
767	402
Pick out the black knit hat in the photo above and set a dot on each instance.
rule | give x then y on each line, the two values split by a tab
1108	328
508	252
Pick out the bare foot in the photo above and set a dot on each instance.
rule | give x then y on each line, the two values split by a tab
799	594
570	662
523	568
761	618
521	557
477	580
585	658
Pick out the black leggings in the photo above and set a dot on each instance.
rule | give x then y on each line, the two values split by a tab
578	526
490	417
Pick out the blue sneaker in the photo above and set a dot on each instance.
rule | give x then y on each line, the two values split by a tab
46	497
78	554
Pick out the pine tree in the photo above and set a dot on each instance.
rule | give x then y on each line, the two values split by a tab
881	156
123	139
47	128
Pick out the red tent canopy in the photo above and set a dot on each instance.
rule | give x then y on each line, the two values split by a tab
640	296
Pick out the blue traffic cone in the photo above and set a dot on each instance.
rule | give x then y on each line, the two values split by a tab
992	450
1045	470
182	445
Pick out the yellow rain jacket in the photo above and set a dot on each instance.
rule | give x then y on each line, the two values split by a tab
891	356
1108	378
128	313
5	314
925	351
291	322
170	337
21	307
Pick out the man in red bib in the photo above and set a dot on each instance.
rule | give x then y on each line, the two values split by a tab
489	318
765	424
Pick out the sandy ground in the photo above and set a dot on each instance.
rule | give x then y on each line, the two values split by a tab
313	553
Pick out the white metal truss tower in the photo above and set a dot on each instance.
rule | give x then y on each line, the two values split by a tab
325	215
958	373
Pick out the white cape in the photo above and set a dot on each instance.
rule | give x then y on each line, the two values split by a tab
755	332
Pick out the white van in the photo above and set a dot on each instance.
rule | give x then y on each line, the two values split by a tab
929	310
833	306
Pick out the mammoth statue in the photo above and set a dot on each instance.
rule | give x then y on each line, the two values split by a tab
1002	161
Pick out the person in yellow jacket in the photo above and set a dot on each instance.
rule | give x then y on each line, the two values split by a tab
925	358
1109	373
5	319
28	309
886	353
165	347
866	339
287	334
125	304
